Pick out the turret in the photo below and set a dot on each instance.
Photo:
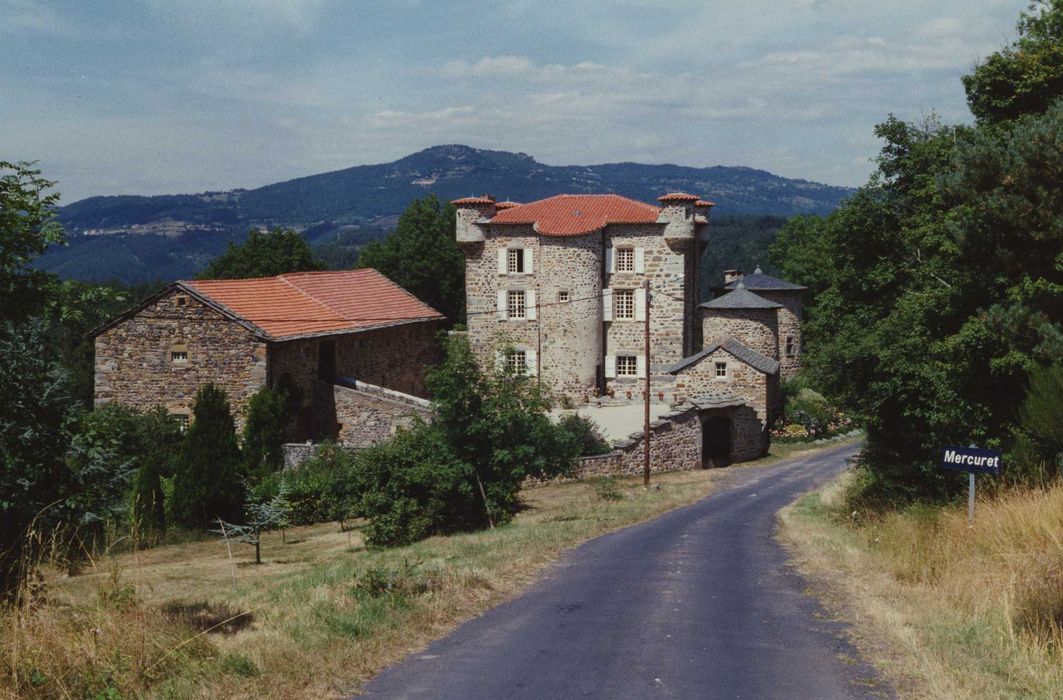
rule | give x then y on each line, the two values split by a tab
472	210
677	212
744	316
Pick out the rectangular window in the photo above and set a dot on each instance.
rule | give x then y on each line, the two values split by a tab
721	369
624	303
517	362
179	356
562	297
181	301
627	366
515	257
791	346
625	259
515	304
182	421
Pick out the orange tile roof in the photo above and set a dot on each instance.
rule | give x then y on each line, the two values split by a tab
704	203
486	199
506	205
306	303
677	197
576	214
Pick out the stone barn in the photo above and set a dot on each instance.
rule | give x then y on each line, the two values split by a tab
350	348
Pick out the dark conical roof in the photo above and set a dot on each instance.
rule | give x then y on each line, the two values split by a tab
758	281
740	298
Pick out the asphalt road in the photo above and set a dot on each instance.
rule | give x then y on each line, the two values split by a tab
698	603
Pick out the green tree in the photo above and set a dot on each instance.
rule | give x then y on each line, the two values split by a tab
263	255
422	256
160	439
1025	77
265	428
207	483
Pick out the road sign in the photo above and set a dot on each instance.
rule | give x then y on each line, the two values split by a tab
970	459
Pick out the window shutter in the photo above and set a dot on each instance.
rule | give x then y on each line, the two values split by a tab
607	304
529	264
502	308
640	366
529	305
531	362
640	304
503	260
610	366
610	259
640	259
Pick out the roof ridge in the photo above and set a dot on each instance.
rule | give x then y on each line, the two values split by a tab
339	316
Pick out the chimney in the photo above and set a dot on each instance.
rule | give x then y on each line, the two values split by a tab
472	211
730	276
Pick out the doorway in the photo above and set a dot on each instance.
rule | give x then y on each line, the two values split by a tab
326	360
716	444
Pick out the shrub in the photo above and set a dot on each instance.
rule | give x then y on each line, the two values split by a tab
207	483
325	487
607	489
264	433
810	410
586	434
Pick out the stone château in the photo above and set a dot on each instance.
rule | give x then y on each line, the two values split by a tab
559	289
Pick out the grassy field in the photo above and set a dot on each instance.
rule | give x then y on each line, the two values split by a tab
319	616
943	609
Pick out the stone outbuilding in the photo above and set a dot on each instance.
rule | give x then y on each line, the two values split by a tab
350	348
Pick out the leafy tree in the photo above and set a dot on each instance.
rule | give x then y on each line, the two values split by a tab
263	255
34	431
1039	416
27	228
264	433
1025	77
422	256
207	482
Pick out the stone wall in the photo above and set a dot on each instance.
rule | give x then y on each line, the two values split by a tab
789	321
757	329
134	363
395	357
360	414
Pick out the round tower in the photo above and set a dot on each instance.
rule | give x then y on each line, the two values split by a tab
748	318
789	297
471	210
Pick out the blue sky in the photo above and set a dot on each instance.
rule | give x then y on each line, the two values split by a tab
166	96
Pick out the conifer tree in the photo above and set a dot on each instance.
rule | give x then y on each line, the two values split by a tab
264	433
207	483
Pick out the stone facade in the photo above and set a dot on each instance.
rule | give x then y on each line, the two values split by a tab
754	386
757	329
138	360
571	333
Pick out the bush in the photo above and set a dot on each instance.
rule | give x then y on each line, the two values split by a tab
586	434
323	488
207	484
810	410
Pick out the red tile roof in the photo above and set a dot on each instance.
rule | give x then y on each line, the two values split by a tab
576	214
306	303
486	199
506	205
677	197
704	203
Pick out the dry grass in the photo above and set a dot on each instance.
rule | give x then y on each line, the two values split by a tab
945	609
324	613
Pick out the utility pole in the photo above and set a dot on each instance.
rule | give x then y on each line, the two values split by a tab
646	416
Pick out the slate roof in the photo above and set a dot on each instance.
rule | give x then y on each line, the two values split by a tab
757	280
745	354
577	214
308	303
721	400
740	298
